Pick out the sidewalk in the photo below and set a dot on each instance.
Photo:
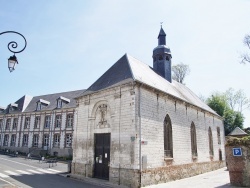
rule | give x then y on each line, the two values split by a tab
218	178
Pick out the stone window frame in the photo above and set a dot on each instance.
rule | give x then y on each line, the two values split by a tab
68	140
15	123
35	140
13	140
56	140
168	138
47	121
218	135
193	140
46	140
70	120
58	121
6	140
210	141
26	122
25	140
37	122
8	124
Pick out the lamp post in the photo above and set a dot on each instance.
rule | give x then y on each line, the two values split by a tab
12	61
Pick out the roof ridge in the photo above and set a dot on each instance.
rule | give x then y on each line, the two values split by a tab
126	55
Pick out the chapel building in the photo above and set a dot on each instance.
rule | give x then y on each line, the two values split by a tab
136	126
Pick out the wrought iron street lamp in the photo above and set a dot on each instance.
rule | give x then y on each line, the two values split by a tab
12	61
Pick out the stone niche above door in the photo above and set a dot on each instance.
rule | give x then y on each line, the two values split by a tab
101	115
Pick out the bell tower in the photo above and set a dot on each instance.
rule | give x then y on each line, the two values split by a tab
162	57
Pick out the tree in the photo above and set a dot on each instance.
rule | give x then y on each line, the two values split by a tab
232	119
246	57
179	72
218	103
237	100
224	104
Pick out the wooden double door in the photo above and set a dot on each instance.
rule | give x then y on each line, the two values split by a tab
102	156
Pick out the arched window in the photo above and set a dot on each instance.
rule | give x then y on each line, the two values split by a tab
167	58
160	57
218	135
168	139
193	140
210	137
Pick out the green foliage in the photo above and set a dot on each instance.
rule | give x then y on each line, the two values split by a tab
218	103
221	104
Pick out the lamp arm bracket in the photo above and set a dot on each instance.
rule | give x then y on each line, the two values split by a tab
12	45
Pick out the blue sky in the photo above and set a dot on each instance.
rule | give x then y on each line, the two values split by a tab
72	43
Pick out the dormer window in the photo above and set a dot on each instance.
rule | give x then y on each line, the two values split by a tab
41	103
1	109
12	107
61	101
38	106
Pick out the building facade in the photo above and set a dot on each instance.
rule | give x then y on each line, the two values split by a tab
41	124
136	126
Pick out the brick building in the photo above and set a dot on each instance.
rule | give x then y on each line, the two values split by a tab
136	126
40	124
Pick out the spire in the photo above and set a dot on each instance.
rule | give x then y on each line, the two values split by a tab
162	37
162	57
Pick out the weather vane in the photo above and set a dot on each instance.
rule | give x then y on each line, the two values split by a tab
161	23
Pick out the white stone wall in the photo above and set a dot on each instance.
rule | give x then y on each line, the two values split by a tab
121	120
154	108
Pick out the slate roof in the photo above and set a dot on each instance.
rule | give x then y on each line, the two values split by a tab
28	103
128	69
19	105
52	98
238	132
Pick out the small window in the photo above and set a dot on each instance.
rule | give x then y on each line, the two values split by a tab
6	140
37	122
35	140
68	140
47	122
160	57
13	140
56	140
38	106
59	103
25	140
218	135
168	139
15	122
167	58
69	120
210	138
193	140
58	121
27	122
8	122
220	155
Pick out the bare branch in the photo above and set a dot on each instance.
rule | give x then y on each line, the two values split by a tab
245	58
180	71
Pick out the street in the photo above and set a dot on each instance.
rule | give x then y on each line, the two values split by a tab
21	172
